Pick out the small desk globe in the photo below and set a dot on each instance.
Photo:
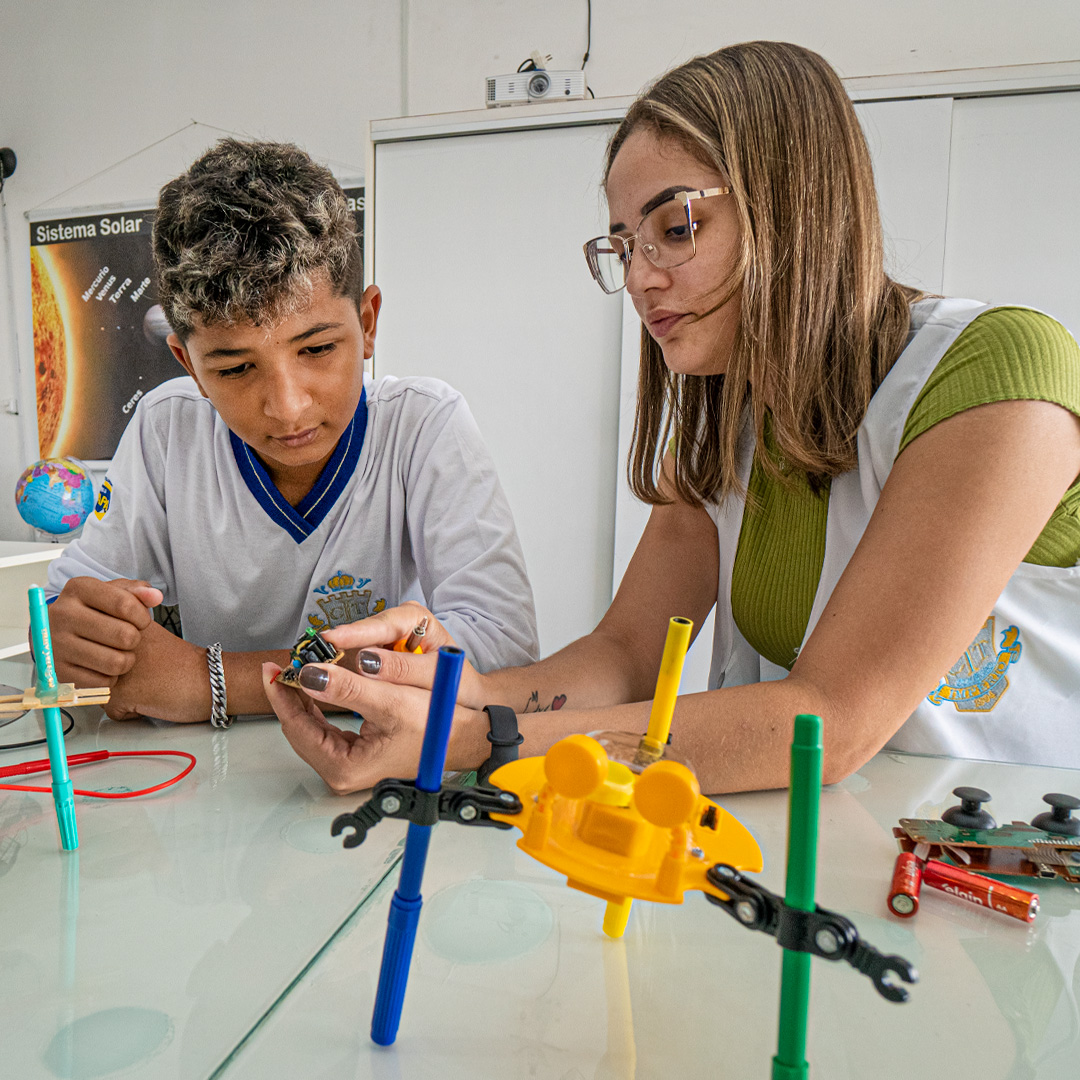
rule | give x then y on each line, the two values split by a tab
55	495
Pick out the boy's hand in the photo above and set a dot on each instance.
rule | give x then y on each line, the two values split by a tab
96	628
169	680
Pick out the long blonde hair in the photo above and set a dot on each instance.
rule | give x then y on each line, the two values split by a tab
820	322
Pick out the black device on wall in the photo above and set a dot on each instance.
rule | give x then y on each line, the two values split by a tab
8	161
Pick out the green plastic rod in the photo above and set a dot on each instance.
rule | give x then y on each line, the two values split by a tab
804	799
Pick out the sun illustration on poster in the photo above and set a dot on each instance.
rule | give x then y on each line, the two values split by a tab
51	361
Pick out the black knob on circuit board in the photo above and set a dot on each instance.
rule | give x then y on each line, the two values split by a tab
968	815
1059	820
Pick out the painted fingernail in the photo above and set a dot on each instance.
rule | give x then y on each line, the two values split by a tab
370	663
313	678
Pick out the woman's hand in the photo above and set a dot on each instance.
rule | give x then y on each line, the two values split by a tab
389	740
389	627
412	670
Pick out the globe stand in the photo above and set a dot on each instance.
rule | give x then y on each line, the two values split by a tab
43	537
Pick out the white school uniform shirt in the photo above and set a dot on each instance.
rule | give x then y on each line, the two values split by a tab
1015	693
408	507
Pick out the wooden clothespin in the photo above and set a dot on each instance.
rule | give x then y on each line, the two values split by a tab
66	694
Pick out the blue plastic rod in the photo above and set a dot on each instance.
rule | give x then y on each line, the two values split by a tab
406	901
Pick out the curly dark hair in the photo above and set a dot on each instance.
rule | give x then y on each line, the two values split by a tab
247	232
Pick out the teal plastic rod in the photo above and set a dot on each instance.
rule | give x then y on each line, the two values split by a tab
804	799
46	687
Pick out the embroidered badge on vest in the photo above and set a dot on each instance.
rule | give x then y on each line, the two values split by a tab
977	680
103	499
345	600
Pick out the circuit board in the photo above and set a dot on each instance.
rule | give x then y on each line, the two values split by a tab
1016	849
290	676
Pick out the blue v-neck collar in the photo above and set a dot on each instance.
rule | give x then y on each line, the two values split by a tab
302	520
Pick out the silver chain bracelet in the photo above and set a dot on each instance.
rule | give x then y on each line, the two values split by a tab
219	698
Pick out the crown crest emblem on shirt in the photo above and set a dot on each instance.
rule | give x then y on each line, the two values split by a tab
977	680
340	581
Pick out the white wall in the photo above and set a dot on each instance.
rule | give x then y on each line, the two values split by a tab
454	43
87	85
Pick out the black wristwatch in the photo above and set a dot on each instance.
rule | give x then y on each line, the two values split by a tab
504	738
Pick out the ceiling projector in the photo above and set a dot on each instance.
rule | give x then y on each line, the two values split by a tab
537	84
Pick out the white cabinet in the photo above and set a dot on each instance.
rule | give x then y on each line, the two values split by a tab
475	226
477	246
21	565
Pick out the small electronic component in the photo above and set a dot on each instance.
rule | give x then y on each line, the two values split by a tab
968	836
310	648
414	643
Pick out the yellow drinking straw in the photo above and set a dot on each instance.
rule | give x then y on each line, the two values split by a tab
651	747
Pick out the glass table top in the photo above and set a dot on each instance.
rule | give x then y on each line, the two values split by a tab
216	929
513	978
184	916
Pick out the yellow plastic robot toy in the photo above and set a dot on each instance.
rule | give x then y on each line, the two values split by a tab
622	817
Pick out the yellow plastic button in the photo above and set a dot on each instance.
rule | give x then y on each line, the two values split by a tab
666	794
576	766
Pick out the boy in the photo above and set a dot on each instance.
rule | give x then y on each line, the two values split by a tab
276	488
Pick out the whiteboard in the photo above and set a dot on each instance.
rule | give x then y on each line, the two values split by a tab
478	250
909	145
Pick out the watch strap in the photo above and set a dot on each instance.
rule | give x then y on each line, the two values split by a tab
504	738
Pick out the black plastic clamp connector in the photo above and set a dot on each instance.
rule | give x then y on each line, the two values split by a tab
820	932
402	799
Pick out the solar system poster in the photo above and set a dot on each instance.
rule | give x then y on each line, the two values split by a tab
99	332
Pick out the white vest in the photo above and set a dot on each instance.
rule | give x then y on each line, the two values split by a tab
1015	693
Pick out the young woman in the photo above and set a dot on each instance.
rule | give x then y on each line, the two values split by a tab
877	489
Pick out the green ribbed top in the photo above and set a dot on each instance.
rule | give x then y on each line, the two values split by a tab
1006	354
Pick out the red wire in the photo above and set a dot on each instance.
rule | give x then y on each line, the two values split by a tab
30	767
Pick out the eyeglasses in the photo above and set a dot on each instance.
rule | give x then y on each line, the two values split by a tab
665	237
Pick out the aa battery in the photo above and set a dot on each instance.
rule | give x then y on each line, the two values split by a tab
906	883
986	892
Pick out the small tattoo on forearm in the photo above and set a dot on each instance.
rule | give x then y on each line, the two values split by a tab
533	704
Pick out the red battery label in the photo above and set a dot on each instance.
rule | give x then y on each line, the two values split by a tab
986	892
